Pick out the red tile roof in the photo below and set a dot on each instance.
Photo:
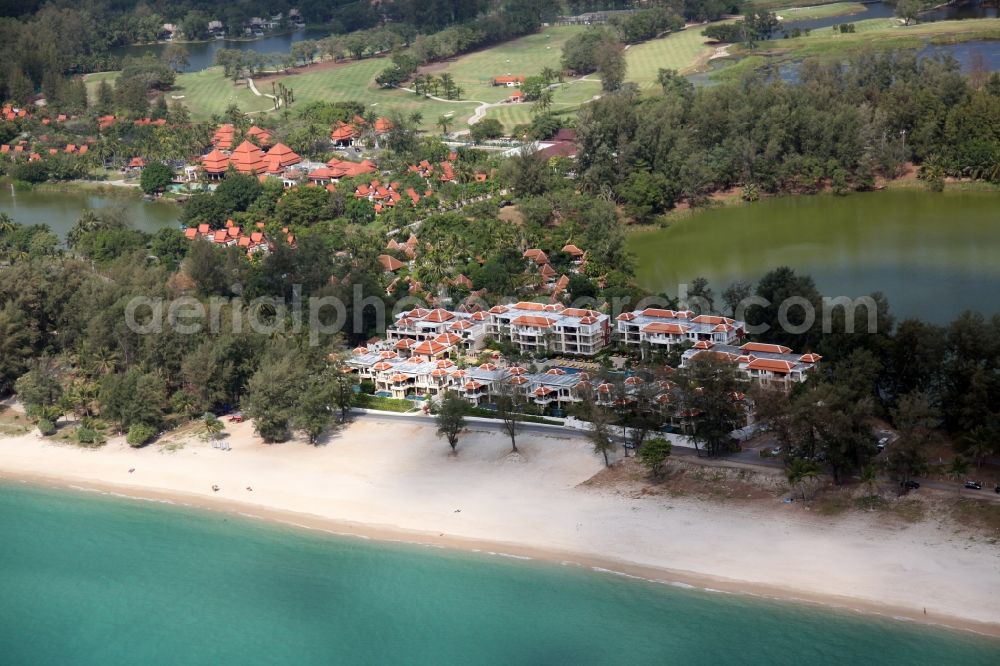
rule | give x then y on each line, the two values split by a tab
389	263
765	348
248	158
532	320
215	162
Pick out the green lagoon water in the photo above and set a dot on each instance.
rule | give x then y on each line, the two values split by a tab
87	579
61	210
933	255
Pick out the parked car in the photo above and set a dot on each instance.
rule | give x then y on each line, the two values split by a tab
236	418
997	489
973	485
909	484
776	451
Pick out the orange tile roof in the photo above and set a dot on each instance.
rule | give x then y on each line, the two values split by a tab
536	255
215	162
663	327
765	348
711	319
263	136
532	320
248	158
772	365
389	263
580	312
439	316
528	305
286	156
343	132
429	348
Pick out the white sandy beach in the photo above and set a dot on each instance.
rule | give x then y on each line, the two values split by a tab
398	480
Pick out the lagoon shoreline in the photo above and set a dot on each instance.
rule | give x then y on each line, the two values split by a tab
396	483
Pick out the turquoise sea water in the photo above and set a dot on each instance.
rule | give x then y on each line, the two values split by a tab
86	579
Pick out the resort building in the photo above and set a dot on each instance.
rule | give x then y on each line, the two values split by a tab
508	80
664	329
550	328
448	333
774	366
233	235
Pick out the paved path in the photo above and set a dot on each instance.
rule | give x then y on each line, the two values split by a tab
253	89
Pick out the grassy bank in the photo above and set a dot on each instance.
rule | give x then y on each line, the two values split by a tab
829	44
813	12
878	34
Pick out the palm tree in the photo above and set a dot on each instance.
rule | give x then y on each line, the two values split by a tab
869	476
979	444
444	122
211	426
957	469
800	471
7	225
105	361
543	102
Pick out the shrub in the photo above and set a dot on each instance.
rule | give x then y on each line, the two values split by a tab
46	427
139	435
89	436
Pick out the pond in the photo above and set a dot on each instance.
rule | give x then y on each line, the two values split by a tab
201	55
973	9
61	210
933	255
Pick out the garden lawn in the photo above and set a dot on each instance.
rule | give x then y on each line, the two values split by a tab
683	51
204	93
208	92
566	99
525	56
355	81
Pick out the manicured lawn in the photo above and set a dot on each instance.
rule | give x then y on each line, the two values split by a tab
355	81
204	93
820	11
207	92
773	5
526	56
565	99
680	50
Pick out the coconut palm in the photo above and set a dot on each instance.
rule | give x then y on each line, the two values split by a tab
444	122
105	361
869	476
543	102
957	469
211	426
7	225
979	444
800	471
